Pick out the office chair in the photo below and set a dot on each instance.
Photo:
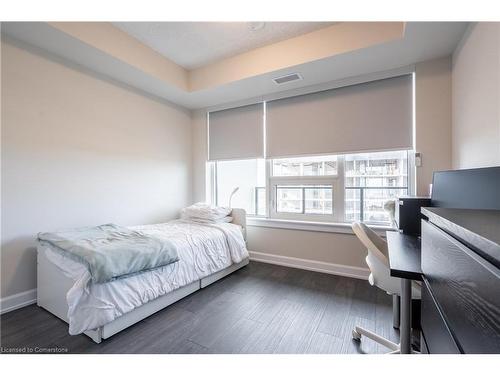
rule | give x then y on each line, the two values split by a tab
378	262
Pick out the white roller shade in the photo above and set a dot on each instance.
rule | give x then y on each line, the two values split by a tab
236	133
368	116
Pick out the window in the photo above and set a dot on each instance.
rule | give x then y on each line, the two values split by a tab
338	188
333	188
246	175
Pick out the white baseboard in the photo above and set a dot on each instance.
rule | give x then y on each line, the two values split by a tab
311	265
16	301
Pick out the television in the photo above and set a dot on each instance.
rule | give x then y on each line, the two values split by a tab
477	188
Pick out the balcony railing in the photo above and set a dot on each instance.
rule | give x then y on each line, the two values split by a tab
362	190
303	200
362	196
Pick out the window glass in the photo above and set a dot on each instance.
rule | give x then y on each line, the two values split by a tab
289	199
318	200
306	166
249	177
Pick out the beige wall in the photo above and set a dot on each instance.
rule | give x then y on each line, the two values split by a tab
77	150
200	153
476	97
433	119
73	154
433	134
335	248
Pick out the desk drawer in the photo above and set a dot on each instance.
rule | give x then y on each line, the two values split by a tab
438	339
465	287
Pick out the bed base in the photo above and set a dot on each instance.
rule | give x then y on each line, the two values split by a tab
53	286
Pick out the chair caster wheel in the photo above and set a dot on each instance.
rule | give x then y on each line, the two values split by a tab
356	335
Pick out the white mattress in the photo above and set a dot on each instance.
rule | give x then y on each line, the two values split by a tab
203	250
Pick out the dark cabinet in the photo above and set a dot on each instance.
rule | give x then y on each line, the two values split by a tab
460	293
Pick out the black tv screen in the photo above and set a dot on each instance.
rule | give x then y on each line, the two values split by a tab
467	188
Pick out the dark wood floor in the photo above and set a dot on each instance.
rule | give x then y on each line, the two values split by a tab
261	308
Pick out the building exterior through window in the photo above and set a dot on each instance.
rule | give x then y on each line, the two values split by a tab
335	188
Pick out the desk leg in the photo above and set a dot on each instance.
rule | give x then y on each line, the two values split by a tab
396	313
405	324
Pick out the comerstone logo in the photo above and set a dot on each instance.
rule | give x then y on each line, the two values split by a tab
32	350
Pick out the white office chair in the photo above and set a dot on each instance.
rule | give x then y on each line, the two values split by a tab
378	262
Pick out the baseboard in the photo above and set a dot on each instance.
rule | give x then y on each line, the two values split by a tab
16	301
311	265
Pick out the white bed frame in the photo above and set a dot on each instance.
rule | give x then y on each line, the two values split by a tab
53	286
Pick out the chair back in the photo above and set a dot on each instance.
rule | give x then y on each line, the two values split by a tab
377	259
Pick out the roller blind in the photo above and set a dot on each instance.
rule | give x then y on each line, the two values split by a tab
236	133
368	116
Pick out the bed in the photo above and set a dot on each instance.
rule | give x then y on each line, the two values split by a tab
207	254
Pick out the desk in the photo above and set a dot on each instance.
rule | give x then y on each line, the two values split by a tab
405	263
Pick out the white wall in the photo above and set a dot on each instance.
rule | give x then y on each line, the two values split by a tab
78	150
476	97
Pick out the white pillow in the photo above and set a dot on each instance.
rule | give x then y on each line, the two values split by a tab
226	219
205	211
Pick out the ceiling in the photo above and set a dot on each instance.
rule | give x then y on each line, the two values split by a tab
122	58
195	44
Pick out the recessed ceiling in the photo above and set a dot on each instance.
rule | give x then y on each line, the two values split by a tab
195	44
357	51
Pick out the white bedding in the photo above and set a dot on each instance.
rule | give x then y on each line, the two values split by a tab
203	250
